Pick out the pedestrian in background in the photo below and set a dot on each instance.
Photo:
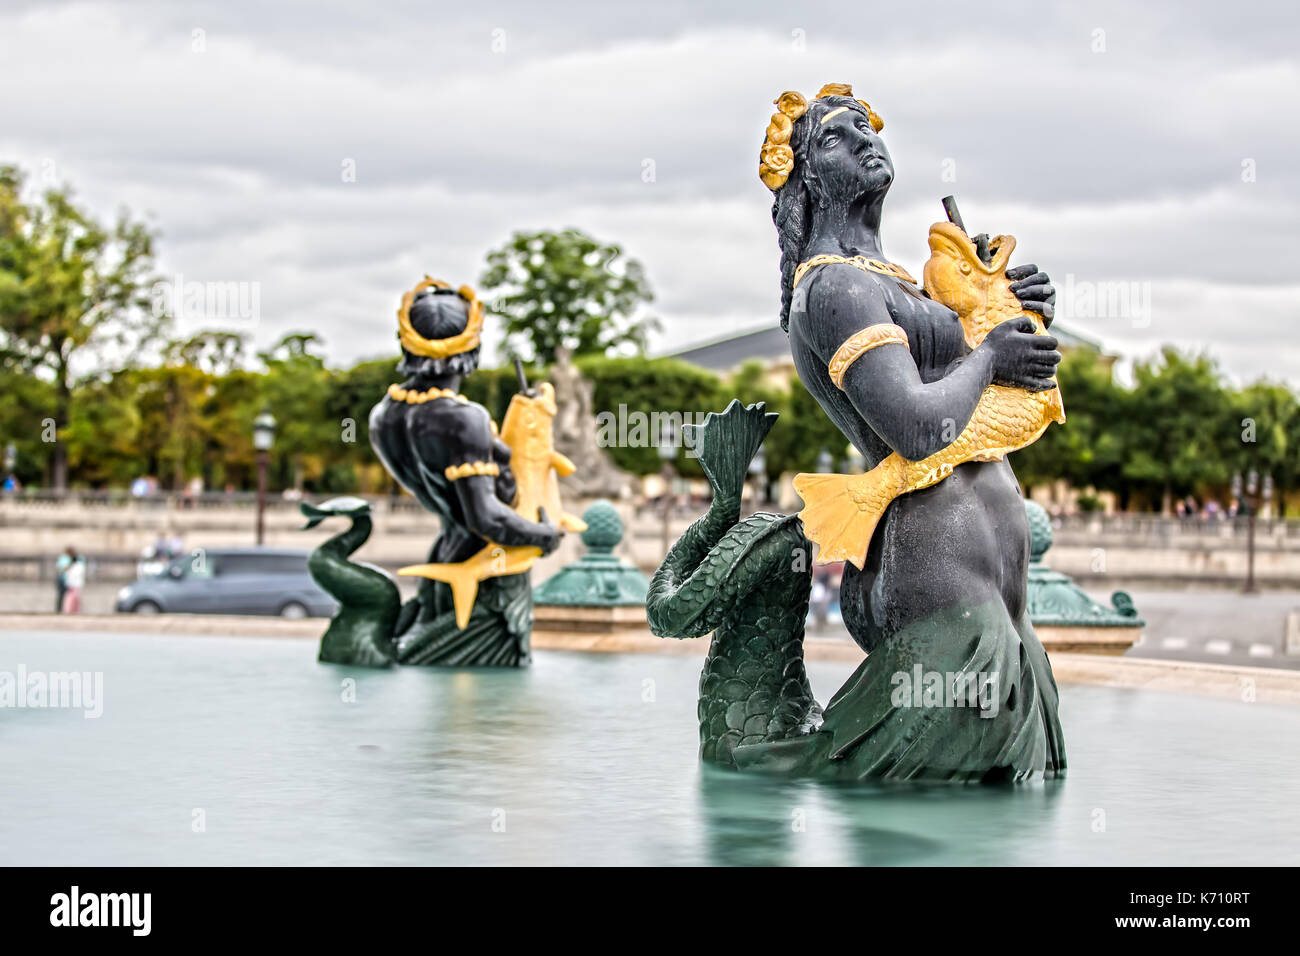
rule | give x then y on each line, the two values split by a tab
60	582
74	579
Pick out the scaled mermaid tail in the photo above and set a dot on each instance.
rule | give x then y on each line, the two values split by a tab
436	637
965	695
747	581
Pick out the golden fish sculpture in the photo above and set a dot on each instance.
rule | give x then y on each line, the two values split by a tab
841	511
535	464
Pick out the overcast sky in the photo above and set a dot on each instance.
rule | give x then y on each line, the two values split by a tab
1145	155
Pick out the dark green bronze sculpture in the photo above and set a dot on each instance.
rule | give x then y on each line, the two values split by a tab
747	582
491	491
599	578
362	631
934	387
1055	600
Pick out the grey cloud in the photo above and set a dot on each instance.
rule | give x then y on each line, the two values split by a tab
1122	165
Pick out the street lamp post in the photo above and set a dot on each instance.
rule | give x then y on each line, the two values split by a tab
263	439
1254	493
1252	482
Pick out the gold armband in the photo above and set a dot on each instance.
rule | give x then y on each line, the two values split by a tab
860	343
453	472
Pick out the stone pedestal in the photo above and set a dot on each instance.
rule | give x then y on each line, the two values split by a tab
599	595
1064	617
1113	640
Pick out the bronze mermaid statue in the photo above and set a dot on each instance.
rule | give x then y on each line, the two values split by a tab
934	386
490	489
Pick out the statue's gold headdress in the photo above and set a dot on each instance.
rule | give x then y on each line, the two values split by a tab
463	341
776	159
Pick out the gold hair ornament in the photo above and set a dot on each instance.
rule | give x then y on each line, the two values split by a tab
463	341
776	158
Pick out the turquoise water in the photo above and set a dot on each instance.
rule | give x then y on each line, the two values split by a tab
584	758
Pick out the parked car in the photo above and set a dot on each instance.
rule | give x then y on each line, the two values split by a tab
150	563
230	581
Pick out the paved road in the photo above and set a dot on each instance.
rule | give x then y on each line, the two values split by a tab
1217	627
1223	627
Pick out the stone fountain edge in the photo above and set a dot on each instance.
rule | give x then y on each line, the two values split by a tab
1262	684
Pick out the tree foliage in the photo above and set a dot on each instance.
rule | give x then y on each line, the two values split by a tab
1178	430
74	295
84	358
566	289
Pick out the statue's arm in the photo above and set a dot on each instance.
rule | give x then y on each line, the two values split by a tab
489	517
848	326
473	473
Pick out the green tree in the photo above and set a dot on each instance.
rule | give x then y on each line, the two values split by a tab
173	413
352	394
1268	418
1088	450
73	293
566	289
27	401
103	437
228	455
296	389
633	397
1180	431
216	351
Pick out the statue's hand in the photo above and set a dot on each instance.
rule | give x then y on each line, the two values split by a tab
505	486
1022	358
550	537
1034	290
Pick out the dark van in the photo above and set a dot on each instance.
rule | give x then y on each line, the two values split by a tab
230	581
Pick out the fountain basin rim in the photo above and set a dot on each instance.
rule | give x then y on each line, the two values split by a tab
1267	684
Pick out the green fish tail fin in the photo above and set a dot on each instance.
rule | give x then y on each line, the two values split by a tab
726	443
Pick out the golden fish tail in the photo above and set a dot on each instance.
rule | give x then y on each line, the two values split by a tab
463	584
841	512
571	522
463	577
562	464
1056	406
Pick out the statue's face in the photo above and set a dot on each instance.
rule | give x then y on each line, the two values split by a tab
849	159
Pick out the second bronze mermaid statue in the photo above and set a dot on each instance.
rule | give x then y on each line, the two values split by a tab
495	495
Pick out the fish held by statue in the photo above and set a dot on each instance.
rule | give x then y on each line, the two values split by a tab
841	511
528	429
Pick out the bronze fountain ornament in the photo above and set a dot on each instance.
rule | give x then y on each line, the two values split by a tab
934	385
494	490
